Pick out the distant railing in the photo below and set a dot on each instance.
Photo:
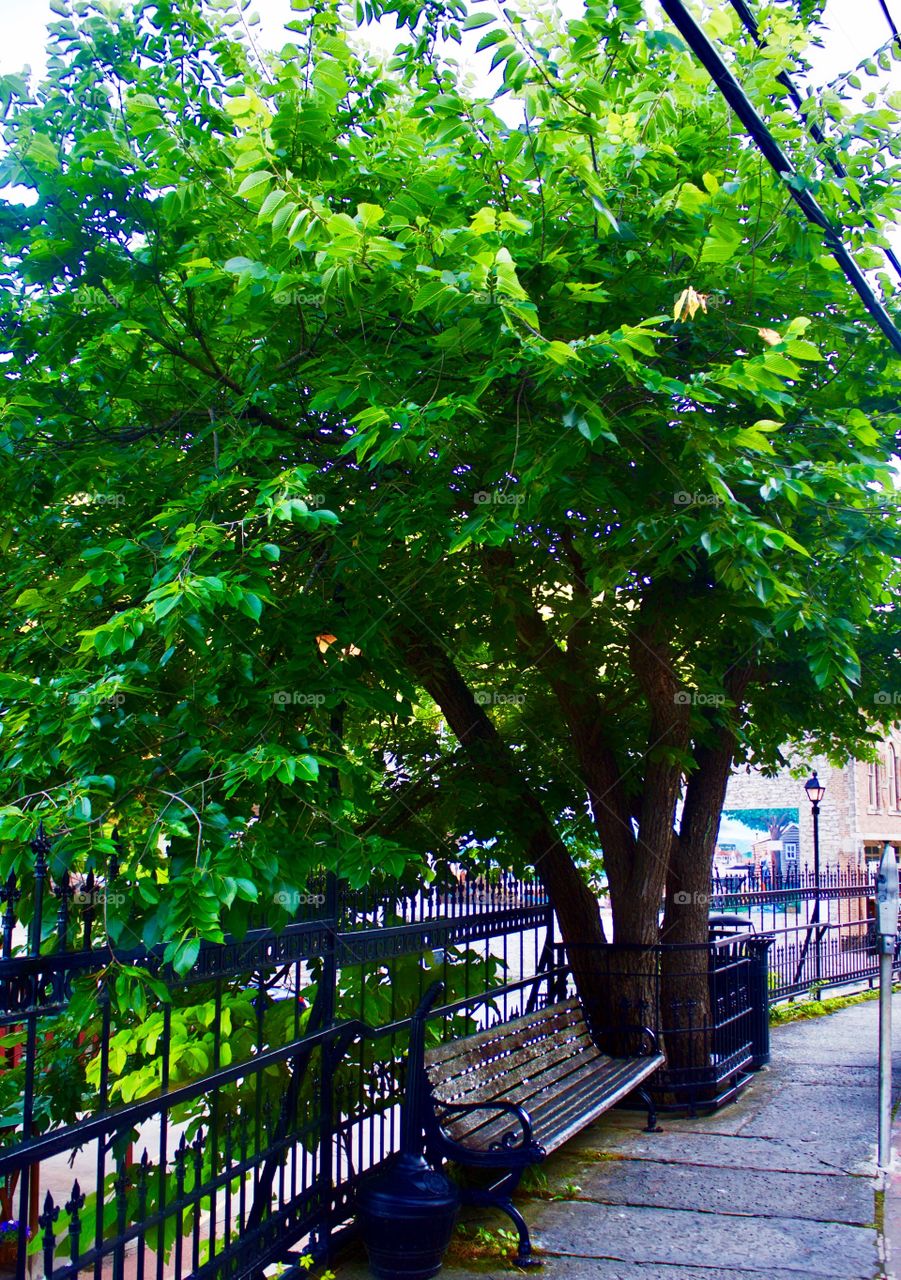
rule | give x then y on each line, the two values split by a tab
822	932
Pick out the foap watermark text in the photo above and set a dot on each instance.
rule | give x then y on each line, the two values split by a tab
295	698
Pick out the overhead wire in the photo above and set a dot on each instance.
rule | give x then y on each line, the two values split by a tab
888	17
747	113
750	24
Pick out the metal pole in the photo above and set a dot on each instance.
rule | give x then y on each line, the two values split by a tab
816	874
887	928
885	1052
735	96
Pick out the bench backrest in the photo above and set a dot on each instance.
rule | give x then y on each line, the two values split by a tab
493	1062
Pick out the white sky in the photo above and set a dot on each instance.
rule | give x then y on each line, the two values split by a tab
856	28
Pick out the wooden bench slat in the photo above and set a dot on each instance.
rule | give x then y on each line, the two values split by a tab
530	1026
582	1117
524	1062
563	1115
525	1079
585	1080
521	1085
504	1038
534	1090
481	1128
551	1012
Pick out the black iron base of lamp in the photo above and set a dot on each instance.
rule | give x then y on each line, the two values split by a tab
407	1216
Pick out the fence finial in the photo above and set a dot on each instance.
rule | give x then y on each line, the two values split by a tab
40	847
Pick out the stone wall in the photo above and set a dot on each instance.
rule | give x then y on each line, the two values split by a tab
751	790
849	825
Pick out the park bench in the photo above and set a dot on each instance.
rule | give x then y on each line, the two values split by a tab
503	1099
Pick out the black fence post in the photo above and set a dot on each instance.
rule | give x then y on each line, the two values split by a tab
759	952
328	980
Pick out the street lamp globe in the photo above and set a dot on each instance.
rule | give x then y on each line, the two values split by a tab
815	789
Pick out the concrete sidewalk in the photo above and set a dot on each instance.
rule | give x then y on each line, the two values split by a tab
780	1185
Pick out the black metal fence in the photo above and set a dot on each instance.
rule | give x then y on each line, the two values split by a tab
823	933
708	1006
211	1124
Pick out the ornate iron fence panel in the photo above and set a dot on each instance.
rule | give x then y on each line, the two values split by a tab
222	1121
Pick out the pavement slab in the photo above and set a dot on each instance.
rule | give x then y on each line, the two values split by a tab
668	1236
592	1269
781	1155
730	1190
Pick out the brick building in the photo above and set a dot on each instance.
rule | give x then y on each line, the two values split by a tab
860	811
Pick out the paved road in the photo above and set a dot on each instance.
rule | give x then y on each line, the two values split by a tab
780	1185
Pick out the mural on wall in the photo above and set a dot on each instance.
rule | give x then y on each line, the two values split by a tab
757	843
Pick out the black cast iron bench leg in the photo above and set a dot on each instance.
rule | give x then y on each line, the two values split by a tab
499	1197
652	1126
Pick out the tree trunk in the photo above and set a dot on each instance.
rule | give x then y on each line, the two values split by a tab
575	905
685	978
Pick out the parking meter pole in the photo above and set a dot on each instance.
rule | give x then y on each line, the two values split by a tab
885	1055
887	928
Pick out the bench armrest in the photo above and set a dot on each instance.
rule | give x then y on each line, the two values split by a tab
648	1040
519	1143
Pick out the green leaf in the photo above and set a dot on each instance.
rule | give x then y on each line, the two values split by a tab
802	350
31	600
561	352
271	203
255	183
492	38
237	265
781	364
251	605
430	293
750	438
307	768
185	955
721	245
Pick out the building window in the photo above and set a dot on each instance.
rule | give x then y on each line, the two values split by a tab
892	778
872	785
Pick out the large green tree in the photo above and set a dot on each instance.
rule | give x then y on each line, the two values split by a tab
536	431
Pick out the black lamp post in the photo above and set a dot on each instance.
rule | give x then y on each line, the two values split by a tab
815	792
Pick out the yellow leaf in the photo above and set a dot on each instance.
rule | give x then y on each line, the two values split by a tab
770	336
691	302
719	24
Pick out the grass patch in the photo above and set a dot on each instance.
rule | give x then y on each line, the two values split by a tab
483	1249
801	1012
537	1184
